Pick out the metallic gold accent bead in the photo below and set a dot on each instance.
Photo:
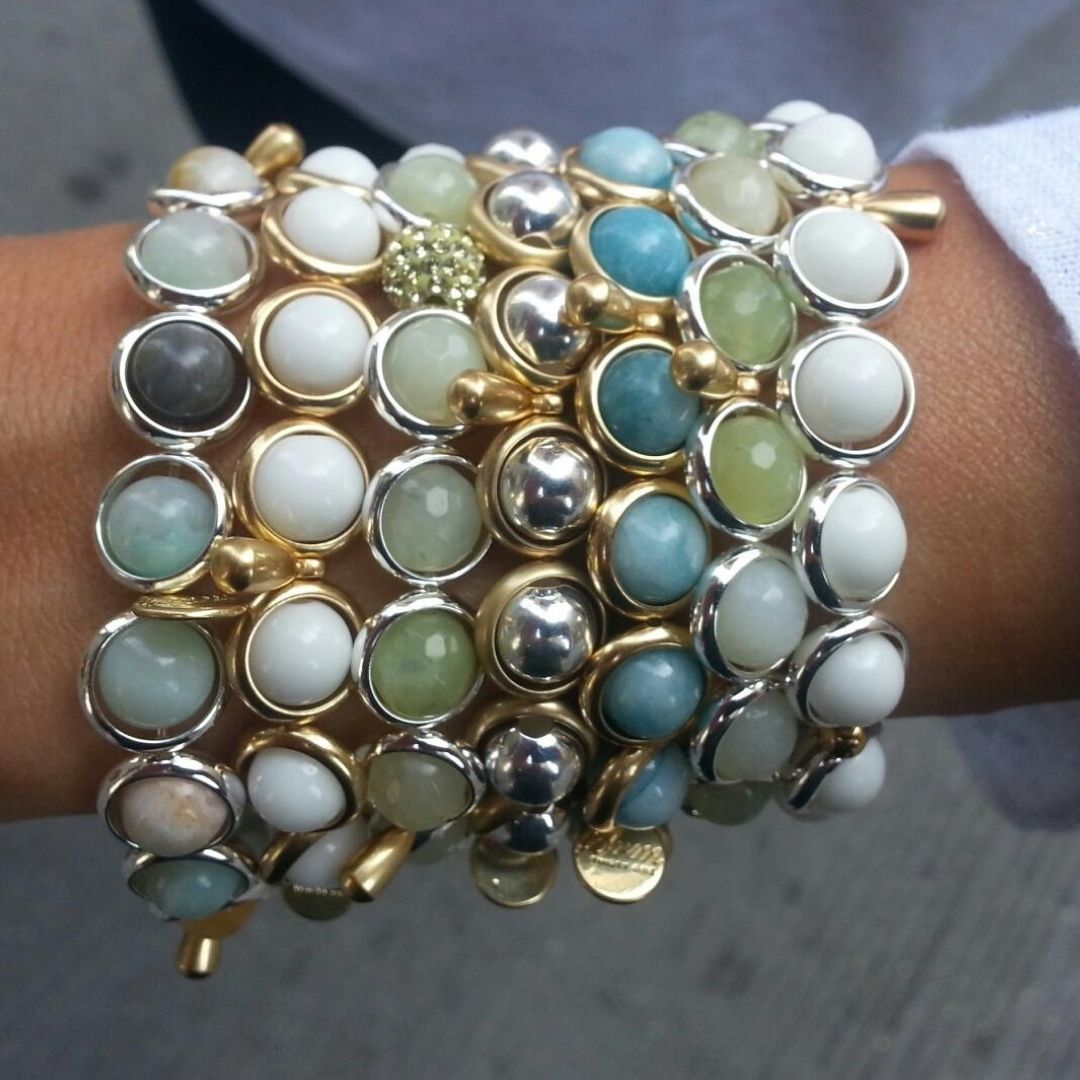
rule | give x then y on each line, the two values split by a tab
437	264
511	879
621	866
482	397
377	864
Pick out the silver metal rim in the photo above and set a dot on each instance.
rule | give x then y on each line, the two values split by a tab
820	644
787	400
799	796
715	720
373	629
216	776
690	317
105	725
699	482
718	575
166	437
682	151
822	305
394	210
157	464
389	408
166	200
804	183
162	294
807	529
375	502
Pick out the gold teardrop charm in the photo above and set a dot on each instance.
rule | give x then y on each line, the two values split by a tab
242	565
698	367
482	397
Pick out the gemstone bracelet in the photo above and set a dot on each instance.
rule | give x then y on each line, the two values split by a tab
671	335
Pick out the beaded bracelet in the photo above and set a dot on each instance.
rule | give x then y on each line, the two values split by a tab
672	335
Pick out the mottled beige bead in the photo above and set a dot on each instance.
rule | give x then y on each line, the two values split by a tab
213	170
417	791
171	815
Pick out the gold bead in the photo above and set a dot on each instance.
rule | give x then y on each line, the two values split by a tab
482	397
244	565
699	368
276	147
200	948
377	863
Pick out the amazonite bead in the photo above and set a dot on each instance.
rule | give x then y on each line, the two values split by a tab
642	407
434	186
657	792
423	358
717	132
653	693
188	888
415	791
738	191
424	664
659	549
757	470
192	249
747	314
627	155
431	519
641	249
156	674
158	526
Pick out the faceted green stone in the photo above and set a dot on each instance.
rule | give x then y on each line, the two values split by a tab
434	186
424	664
417	791
756	468
739	192
431	519
718	133
746	313
423	358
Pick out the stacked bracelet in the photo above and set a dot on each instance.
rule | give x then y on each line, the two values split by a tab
672	336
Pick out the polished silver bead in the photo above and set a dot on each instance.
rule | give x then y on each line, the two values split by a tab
532	203
534	315
547	632
533	762
524	147
532	832
549	488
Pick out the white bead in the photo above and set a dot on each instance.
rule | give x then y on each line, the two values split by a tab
331	224
293	792
863	542
859	684
793	112
316	344
341	163
834	144
759	741
845	254
320	866
850	389
171	815
300	653
308	488
854	783
761	616
437	149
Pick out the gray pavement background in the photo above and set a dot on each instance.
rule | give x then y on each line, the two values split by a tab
927	938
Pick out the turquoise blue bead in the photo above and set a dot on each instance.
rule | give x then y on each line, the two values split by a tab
158	526
188	888
628	155
641	249
659	549
156	674
642	407
653	693
657	793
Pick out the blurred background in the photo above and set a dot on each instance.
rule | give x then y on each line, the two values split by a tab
926	937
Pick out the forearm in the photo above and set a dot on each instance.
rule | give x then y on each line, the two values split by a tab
988	595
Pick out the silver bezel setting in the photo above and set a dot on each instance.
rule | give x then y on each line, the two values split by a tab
806	533
111	729
368	638
375	501
389	408
811	300
162	294
823	642
804	183
699	481
239	203
161	435
169	465
718	575
787	401
691	319
215	776
715	719
799	794
394	216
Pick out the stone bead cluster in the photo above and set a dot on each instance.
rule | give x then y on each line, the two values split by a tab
672	335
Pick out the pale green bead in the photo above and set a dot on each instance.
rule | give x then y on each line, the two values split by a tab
431	519
191	249
718	133
434	186
755	467
423	358
739	192
424	664
418	792
746	313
